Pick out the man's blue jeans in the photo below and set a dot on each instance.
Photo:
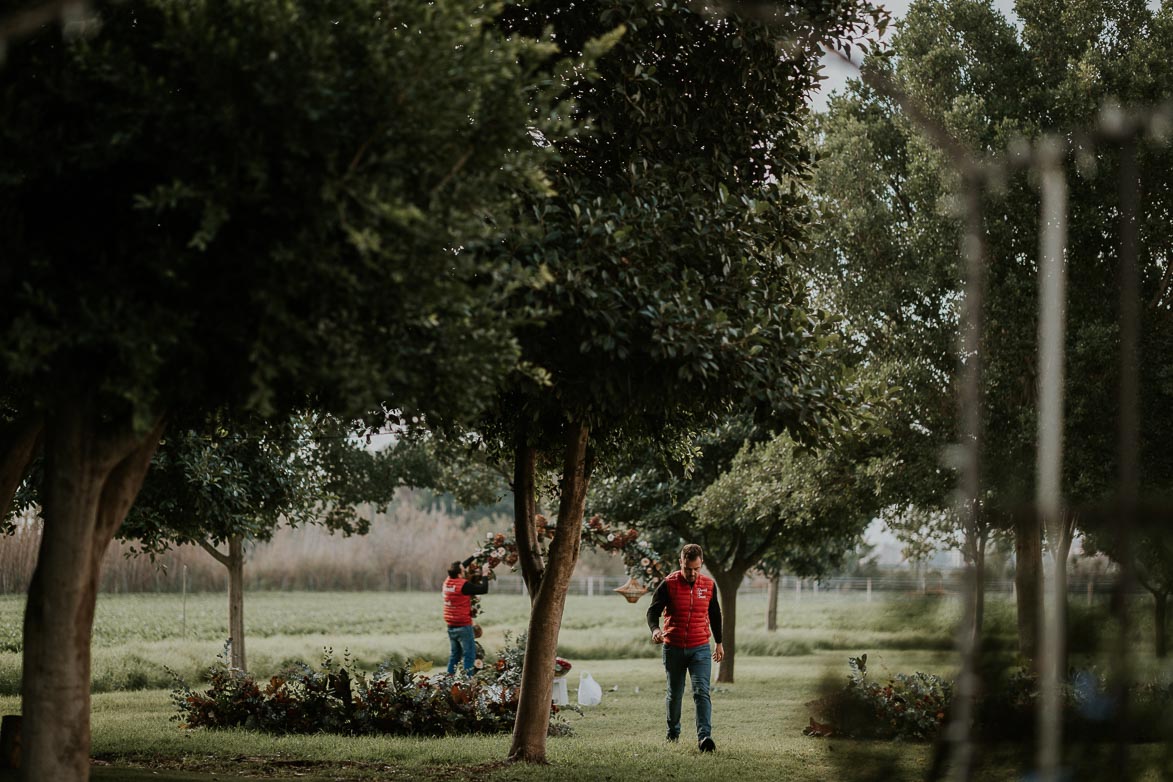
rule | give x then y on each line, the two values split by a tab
464	644
697	661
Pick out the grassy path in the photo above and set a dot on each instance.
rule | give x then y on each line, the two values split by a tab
757	722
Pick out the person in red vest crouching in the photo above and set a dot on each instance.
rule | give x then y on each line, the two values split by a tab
458	592
688	601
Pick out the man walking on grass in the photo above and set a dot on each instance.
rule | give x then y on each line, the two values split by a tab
688	602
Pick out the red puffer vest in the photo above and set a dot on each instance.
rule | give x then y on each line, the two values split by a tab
457	605
686	619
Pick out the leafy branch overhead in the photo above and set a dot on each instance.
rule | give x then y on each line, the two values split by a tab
254	208
645	566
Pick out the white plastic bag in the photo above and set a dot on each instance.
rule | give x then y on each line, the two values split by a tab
589	691
559	695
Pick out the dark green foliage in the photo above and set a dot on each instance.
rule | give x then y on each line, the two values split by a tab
338	699
264	201
1152	559
886	249
915	707
906	707
1089	712
247	477
668	247
746	497
508	665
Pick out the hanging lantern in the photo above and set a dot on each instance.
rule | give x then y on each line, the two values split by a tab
633	590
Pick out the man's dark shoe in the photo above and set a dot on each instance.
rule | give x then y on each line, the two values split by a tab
707	744
672	737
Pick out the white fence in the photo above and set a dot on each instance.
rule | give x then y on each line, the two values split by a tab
792	588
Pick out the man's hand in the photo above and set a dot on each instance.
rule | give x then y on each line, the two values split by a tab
486	570
657	636
719	653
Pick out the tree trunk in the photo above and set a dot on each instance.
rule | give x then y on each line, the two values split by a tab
1060	597
1160	612
524	511
979	590
93	472
772	604
18	444
1028	556
727	584
233	561
548	602
236	600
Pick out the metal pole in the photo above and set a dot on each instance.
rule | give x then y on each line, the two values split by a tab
959	732
1128	443
1052	332
183	577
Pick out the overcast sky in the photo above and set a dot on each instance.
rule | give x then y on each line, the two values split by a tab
838	72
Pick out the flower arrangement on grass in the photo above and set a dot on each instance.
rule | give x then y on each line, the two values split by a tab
395	700
907	706
561	666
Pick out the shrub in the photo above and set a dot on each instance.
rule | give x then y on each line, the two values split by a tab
1090	711
910	707
336	699
913	707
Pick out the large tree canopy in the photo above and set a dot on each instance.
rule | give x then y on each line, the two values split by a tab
245	202
668	249
255	205
887	253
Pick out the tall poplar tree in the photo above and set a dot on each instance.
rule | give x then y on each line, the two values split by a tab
887	252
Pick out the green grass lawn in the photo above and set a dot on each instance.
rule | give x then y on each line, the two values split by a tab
136	636
757	721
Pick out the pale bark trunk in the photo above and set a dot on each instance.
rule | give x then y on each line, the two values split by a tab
233	561
772	604
548	602
236	600
1028	555
727	584
18	445
93	472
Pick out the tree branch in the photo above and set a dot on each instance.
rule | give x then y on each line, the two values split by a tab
122	486
767	540
524	510
223	559
459	164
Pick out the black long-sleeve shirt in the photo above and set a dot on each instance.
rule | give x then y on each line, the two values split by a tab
660	602
471	587
475	587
